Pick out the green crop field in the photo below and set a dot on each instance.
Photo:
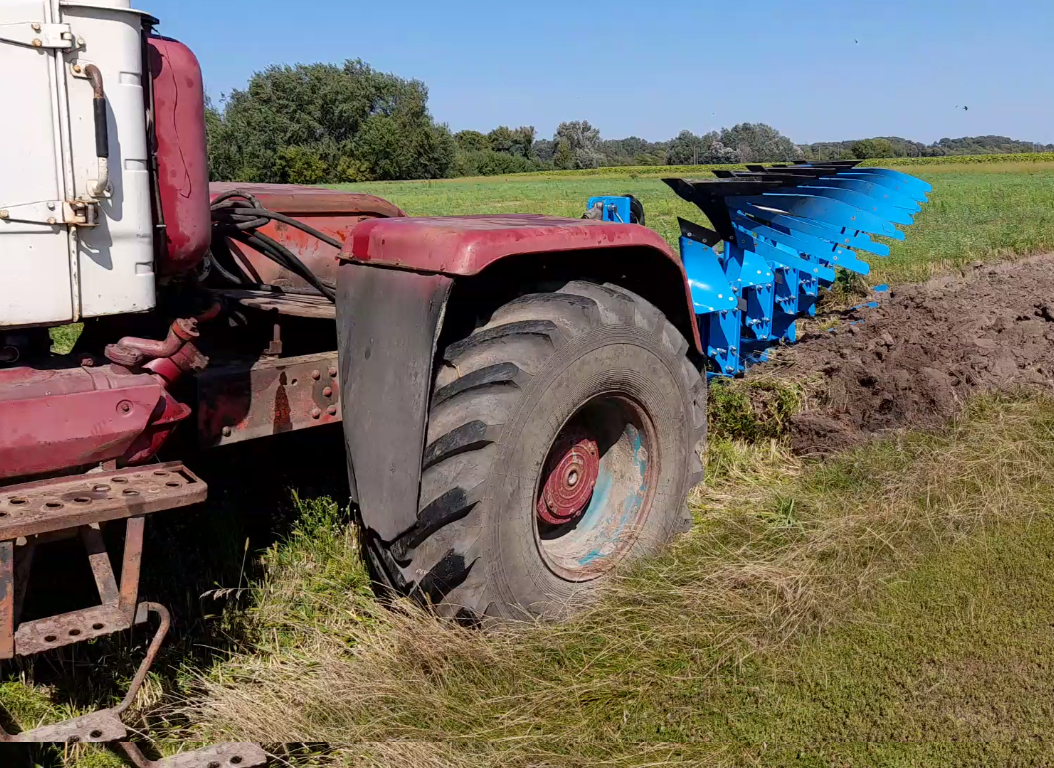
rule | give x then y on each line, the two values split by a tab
890	606
978	211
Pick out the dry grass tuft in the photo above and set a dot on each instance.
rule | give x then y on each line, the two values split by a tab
780	550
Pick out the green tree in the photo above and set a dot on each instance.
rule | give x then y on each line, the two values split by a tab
471	141
512	141
563	157
582	141
872	148
688	149
544	150
222	156
649	158
301	165
626	151
759	143
348	122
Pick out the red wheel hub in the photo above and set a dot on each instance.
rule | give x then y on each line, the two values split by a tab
570	477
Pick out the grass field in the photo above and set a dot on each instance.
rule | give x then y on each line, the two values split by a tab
818	615
889	607
976	212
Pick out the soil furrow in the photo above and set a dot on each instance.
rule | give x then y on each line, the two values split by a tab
916	358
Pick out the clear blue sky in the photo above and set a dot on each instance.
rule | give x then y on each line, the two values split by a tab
653	68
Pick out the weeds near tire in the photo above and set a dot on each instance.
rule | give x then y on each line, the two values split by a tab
775	558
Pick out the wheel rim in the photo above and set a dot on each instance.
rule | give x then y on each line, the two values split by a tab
594	489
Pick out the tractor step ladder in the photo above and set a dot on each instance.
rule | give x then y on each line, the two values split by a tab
32	514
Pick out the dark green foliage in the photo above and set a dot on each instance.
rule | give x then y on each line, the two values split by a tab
301	165
757	143
471	141
512	141
563	158
313	123
503	150
897	147
633	151
688	149
743	143
544	151
869	149
577	146
490	163
990	145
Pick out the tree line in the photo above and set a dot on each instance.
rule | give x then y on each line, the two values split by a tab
327	123
894	146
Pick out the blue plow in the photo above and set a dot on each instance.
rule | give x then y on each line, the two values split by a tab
785	228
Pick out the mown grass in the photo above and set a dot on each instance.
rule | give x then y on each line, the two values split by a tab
899	593
977	212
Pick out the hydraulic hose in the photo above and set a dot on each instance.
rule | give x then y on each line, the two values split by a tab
238	215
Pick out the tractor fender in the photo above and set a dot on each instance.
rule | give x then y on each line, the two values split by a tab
460	246
393	285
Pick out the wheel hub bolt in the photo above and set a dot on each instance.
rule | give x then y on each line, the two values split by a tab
570	477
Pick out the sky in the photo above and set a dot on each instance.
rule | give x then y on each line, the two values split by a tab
817	70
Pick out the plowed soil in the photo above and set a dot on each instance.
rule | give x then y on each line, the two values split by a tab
916	358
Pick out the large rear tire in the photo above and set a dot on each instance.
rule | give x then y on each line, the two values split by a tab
563	440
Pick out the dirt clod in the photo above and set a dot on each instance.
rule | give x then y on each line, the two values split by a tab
923	352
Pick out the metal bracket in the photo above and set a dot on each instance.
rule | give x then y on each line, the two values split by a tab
229	755
105	725
37	34
74	213
77	68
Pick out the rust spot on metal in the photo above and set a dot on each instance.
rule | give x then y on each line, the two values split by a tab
245	401
133	556
99	561
282	421
7	599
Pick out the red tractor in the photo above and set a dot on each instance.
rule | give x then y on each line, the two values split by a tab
521	396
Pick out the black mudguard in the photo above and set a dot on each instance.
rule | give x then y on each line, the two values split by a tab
388	324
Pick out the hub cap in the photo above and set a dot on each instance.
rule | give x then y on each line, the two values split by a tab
571	475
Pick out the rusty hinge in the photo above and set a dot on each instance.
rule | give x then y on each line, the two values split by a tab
37	34
75	213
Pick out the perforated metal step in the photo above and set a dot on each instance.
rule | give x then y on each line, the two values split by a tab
44	506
